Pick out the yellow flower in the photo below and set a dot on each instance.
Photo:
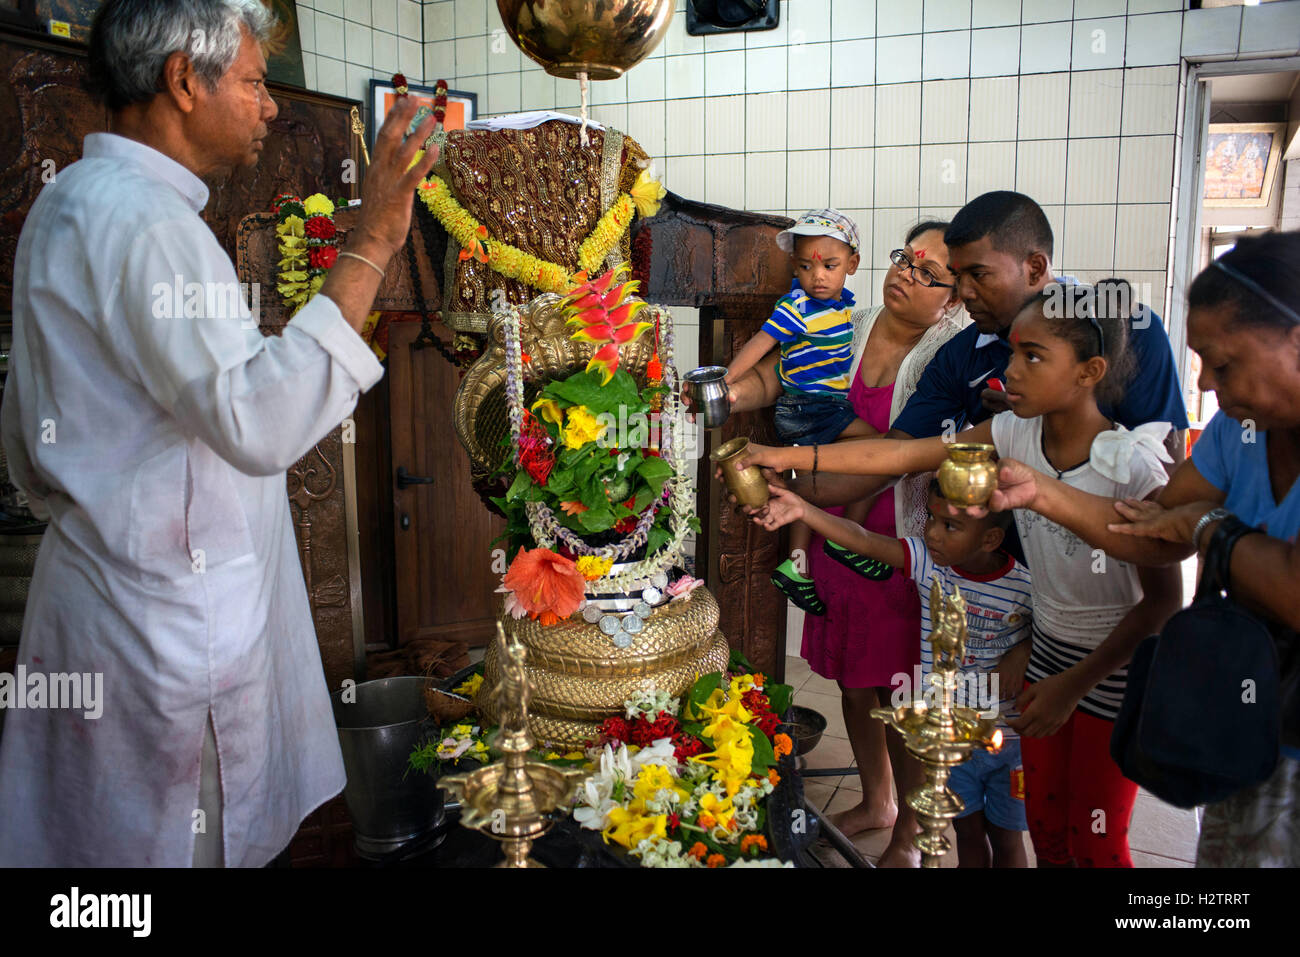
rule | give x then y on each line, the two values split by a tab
731	760
593	567
550	410
469	688
721	810
647	193
630	829
583	427
292	226
719	703
318	204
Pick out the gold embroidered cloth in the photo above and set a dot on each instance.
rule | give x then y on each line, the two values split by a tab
537	189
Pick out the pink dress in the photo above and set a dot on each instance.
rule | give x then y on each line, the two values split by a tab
871	630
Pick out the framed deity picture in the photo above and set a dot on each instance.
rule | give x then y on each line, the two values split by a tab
1241	162
461	107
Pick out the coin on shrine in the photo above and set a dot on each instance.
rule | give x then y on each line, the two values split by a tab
651	595
591	614
610	625
622	640
633	625
641	610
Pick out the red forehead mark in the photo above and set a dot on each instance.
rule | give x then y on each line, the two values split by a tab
1015	337
920	254
816	255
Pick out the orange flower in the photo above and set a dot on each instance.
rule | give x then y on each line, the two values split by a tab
698	850
572	508
706	820
548	586
783	745
716	860
753	840
773	776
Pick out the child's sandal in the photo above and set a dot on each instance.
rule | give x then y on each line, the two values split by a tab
868	568
802	593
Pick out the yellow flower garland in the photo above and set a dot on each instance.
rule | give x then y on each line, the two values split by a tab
512	261
296	285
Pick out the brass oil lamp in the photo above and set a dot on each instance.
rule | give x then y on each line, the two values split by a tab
943	736
511	800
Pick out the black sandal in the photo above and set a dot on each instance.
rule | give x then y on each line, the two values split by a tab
802	593
868	568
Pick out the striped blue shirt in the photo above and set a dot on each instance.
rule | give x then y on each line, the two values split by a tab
999	611
816	337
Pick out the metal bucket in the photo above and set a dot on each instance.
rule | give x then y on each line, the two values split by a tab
390	807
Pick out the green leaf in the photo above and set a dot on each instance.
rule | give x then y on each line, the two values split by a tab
644	496
737	663
597	519
522	483
779	696
584	388
764	756
699	693
656	538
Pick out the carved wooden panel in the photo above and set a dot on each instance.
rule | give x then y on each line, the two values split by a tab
46	112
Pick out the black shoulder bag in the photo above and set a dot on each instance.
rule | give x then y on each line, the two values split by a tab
1202	713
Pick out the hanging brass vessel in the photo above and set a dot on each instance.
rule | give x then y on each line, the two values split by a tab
601	38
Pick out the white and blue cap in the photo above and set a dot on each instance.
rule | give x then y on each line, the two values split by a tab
820	222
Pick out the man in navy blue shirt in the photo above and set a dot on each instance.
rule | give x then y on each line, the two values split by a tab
1000	254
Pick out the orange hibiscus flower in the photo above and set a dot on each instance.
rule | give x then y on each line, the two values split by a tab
547	585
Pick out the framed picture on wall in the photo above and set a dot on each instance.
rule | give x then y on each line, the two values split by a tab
1241	162
461	107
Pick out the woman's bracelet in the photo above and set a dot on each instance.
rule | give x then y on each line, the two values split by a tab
1210	517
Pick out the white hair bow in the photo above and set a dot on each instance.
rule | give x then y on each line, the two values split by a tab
1112	451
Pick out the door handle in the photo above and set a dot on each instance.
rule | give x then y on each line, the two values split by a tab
405	480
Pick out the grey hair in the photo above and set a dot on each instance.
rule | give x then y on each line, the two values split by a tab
132	39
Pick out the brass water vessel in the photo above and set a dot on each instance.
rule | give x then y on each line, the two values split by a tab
748	485
969	475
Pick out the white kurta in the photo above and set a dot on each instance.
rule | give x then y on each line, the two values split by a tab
158	444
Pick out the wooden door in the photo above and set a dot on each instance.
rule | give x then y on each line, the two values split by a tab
443	563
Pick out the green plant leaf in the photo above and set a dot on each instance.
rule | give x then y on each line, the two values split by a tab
699	692
737	663
597	519
764	756
584	388
779	696
522	483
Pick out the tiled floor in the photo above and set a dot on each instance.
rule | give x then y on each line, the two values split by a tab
1159	835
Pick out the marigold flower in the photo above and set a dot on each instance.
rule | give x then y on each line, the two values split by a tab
753	840
583	427
773	776
706	820
715	860
318	204
698	850
781	745
591	566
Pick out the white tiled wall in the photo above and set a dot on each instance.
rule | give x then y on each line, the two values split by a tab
890	111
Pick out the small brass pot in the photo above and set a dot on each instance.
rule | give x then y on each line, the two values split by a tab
970	475
748	485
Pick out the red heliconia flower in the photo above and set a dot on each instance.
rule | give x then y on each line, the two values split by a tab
603	316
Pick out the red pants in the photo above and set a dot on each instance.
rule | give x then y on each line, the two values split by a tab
1077	801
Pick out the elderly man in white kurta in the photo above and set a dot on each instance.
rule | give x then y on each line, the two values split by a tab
156	444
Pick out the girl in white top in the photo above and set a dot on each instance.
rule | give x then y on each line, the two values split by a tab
1090	611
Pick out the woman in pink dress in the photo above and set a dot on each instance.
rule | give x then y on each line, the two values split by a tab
871	632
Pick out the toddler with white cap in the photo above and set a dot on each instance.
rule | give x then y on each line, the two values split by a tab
812	325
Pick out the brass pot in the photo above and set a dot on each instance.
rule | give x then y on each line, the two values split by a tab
602	38
748	485
970	475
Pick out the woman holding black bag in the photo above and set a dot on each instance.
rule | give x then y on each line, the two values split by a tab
1237	501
